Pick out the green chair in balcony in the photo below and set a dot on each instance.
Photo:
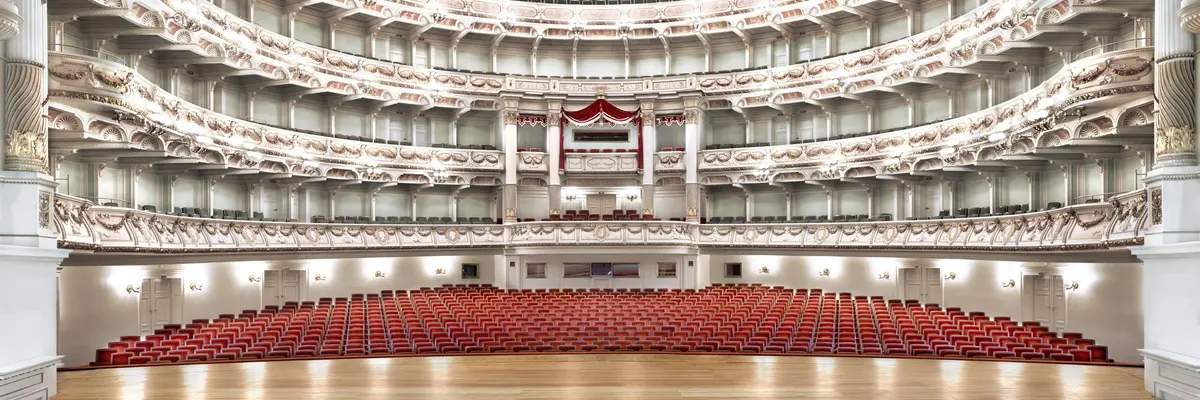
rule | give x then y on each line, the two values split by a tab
392	219
975	212
1053	205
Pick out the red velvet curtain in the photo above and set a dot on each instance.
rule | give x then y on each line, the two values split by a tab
600	110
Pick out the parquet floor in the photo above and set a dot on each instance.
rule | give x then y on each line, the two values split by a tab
617	376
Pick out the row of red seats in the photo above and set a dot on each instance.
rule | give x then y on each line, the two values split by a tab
743	318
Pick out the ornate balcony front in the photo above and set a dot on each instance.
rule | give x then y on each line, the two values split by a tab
601	163
1121	222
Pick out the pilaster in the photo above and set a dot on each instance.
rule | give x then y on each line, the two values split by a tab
691	133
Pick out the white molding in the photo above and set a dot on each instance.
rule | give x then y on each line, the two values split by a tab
30	379
1171	376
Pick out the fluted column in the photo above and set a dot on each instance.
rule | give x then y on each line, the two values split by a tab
510	115
1174	86
691	141
1172	243
26	142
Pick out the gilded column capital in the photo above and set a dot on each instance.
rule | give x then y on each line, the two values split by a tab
553	119
510	116
691	115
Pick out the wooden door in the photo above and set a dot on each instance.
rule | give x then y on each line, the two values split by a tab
1058	304
601	204
164	297
146	308
289	286
270	288
913	279
1043	305
932	291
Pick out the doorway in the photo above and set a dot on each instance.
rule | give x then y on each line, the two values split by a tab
160	302
1045	300
282	286
921	284
601	204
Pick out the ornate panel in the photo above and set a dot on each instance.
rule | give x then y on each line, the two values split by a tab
1118	223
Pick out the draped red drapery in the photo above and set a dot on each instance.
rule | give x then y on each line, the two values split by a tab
599	111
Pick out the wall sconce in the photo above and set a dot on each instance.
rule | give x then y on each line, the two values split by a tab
631	197
570	197
764	270
824	272
1071	286
950	277
255	278
1010	283
885	275
195	287
380	274
131	290
320	277
439	271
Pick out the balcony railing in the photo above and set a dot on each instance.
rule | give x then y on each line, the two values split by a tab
1120	222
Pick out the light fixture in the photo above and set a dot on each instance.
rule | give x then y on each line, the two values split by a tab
885	275
1071	286
320	277
195	287
570	197
996	137
255	278
131	290
1008	284
439	271
764	270
824	272
439	176
950	277
380	274
631	197
947	152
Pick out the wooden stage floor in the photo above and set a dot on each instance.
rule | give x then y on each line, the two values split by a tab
614	376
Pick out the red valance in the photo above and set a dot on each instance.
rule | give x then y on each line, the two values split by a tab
531	120
600	110
670	120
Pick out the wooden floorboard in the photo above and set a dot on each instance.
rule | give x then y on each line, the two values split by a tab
599	376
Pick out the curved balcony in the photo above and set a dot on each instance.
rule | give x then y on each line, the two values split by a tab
214	36
1021	126
86	91
1118	223
83	85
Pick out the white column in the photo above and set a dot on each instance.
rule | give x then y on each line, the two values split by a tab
510	115
829	203
135	174
293	202
897	199
371	207
691	140
870	202
290	118
788	213
1170	300
332	203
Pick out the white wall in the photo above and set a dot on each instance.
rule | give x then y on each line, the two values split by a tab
647	271
95	309
1107	306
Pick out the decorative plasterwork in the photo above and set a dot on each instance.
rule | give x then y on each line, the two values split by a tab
1120	222
279	57
1113	74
